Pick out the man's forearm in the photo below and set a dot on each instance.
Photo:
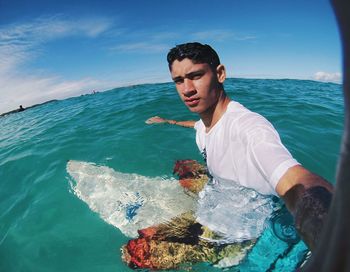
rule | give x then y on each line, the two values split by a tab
189	124
309	207
160	120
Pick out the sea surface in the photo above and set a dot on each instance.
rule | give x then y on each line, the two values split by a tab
44	226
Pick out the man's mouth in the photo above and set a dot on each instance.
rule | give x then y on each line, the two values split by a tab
192	102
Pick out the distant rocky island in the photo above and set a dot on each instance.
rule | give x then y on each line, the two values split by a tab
23	109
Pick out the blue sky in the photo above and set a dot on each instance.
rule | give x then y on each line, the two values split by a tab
57	49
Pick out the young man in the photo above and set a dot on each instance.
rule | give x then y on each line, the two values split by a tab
241	146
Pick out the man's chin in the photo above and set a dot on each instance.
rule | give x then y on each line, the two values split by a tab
194	109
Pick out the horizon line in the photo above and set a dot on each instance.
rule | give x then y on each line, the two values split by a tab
160	82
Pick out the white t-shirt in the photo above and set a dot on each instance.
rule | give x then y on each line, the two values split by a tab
246	159
244	147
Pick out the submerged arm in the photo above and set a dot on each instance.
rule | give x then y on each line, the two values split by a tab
160	120
307	197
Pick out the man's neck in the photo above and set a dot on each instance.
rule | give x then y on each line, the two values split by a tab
213	114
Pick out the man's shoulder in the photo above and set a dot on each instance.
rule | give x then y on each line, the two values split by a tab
199	125
239	114
245	122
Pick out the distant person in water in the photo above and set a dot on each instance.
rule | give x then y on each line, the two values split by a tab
241	146
21	108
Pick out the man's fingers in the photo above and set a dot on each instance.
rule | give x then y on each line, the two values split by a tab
155	119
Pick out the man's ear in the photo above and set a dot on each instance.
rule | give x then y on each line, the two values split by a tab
221	73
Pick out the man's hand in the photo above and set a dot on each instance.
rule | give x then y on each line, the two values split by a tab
155	120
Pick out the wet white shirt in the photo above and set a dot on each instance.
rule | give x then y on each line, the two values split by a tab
245	148
246	159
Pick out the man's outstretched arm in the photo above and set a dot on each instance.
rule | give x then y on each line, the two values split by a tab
160	120
307	197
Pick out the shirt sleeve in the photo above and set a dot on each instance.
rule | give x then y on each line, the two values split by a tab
268	153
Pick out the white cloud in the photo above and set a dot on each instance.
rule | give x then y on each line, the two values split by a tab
146	42
328	77
217	35
155	42
45	28
20	43
220	35
161	36
28	90
141	47
245	37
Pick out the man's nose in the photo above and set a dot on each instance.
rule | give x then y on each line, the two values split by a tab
189	87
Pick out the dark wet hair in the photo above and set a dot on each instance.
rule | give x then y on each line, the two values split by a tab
195	51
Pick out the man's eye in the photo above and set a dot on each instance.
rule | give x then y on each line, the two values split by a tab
178	81
196	76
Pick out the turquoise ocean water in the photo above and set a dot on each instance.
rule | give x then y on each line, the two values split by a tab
45	227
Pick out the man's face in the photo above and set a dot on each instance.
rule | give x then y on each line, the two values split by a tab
196	84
